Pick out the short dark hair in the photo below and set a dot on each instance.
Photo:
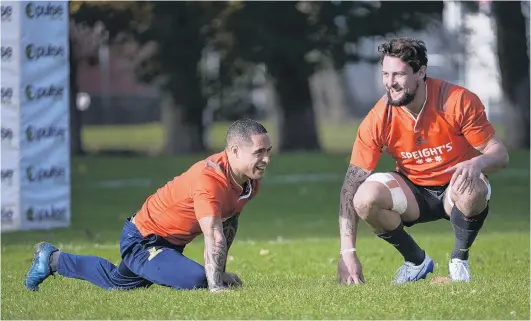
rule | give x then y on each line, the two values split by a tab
242	130
411	51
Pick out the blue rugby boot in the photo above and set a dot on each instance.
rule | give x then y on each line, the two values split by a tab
40	268
409	272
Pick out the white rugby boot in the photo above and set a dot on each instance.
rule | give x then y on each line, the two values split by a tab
459	270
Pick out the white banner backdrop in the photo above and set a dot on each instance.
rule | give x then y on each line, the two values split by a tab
35	115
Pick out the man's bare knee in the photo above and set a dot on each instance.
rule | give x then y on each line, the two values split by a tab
370	197
473	203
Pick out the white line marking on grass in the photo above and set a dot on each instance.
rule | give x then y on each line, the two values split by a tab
85	245
278	179
510	173
302	178
131	182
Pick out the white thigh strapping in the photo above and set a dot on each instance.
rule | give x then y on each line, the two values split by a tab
397	194
484	179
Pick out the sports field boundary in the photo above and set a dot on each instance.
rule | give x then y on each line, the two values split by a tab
273	179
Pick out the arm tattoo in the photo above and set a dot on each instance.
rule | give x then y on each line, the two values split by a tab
347	215
230	227
215	259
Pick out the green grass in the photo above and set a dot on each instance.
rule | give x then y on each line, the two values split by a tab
333	136
150	137
297	224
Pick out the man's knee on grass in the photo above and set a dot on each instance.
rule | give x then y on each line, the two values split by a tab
197	280
188	280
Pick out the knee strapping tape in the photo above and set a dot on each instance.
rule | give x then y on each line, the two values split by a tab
397	194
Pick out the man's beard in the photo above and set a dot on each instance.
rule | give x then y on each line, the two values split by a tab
405	100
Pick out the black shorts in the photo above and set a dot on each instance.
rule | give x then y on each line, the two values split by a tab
430	200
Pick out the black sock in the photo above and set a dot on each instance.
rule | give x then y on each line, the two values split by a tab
405	244
466	229
54	260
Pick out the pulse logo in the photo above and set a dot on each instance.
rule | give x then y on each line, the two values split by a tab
39	10
35	52
51	91
41	213
40	174
35	134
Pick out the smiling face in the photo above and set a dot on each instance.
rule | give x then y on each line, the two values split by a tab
249	159
400	81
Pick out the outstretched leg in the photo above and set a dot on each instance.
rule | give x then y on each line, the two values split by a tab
48	260
99	272
145	260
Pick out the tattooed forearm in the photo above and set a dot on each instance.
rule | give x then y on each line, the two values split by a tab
215	259
230	227
348	219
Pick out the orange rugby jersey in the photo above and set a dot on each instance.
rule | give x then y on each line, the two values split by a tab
451	124
207	188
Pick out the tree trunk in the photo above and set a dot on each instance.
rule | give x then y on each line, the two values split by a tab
296	122
76	141
181	136
514	70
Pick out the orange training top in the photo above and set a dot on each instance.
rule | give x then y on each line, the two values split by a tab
207	188
451	124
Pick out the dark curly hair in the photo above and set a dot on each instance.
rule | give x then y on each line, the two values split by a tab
411	51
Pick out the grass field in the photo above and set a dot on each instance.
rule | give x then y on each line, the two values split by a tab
150	137
285	251
333	136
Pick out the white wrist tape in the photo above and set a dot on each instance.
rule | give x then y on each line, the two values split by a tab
347	251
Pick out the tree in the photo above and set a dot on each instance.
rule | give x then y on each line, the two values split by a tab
89	23
83	46
513	59
179	32
293	39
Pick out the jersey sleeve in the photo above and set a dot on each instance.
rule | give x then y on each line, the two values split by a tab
367	148
474	124
208	195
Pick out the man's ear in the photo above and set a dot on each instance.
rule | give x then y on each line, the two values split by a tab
422	72
235	150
